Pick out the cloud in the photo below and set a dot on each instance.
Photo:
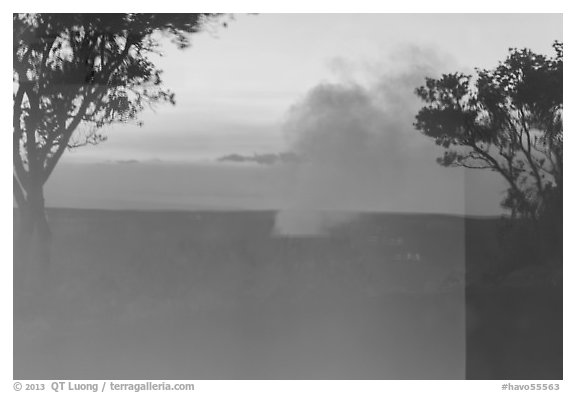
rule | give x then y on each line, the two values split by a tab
263	159
127	161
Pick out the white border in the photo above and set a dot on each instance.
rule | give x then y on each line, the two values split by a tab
265	6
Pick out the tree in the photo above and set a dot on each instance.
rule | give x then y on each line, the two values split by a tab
508	120
74	74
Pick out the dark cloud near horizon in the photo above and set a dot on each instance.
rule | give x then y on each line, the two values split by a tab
127	161
263	159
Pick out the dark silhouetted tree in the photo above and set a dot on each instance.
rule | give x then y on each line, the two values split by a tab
508	120
74	74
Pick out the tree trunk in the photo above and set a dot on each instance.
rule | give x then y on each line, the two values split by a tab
32	212
32	249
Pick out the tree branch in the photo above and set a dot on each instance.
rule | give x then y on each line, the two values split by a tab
98	91
497	167
16	137
66	134
528	154
34	167
18	193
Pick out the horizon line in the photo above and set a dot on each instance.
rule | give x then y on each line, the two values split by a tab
247	210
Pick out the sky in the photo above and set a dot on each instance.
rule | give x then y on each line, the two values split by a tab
307	83
234	85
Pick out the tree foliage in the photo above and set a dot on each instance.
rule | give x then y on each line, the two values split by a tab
509	120
75	73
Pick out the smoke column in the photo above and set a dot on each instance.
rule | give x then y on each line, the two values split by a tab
359	149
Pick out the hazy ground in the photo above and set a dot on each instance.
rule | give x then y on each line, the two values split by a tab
214	295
